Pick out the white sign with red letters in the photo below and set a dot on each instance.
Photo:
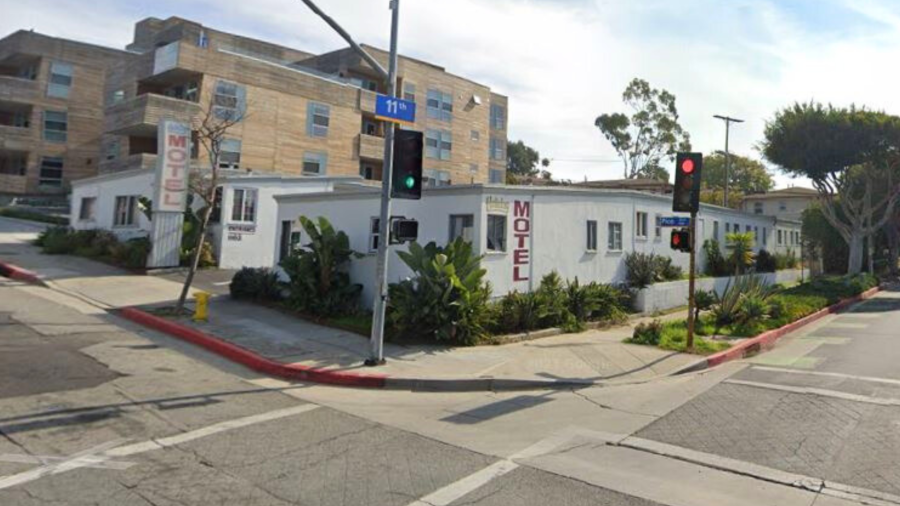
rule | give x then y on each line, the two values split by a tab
173	162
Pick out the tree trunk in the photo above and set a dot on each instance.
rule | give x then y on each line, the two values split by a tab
195	261
892	232
855	242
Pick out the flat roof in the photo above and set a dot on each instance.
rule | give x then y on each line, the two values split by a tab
228	176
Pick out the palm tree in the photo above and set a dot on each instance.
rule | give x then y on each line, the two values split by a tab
741	246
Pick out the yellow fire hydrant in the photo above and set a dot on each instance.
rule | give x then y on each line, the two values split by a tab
201	309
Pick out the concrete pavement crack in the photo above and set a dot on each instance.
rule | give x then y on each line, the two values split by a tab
611	408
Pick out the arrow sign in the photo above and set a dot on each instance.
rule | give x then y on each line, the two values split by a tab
674	221
395	110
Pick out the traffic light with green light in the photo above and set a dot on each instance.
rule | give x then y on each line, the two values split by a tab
686	198
406	176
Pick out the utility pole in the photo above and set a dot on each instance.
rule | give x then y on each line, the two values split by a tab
728	121
377	338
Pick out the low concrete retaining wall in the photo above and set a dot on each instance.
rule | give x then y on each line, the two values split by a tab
663	296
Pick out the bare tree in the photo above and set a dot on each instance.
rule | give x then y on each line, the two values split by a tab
211	131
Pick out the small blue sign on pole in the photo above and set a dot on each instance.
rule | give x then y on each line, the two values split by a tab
675	221
395	110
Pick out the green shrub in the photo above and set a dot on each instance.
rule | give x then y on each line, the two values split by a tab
647	333
554	305
785	260
613	303
703	301
55	240
319	282
765	262
644	269
728	307
256	284
133	253
447	300
716	264
862	282
207	256
517	312
740	244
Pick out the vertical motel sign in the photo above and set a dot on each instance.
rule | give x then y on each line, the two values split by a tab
173	164
395	110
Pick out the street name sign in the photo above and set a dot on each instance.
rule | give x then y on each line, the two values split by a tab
674	221
395	110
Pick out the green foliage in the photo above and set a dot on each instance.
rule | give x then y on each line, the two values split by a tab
765	262
745	175
319	282
447	299
521	160
27	214
647	333
517	312
552	298
674	337
786	260
824	241
703	301
95	243
740	244
650	136
644	269
256	284
740	288
716	264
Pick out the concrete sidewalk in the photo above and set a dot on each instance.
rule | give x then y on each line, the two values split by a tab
589	357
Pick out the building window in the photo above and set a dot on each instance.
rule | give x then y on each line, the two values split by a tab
658	226
112	150
367	172
497	176
757	207
782	206
755	236
496	232
727	228
498	151
230	154
21	119
374	234
715	230
440	105
51	173
614	237
318	117
462	225
498	117
125	211
228	101
640	225
243	208
117	97
60	80
14	165
736	228
87	209
56	124
432	178
780	238
438	144
315	164
591	235
765	237
409	92
475	135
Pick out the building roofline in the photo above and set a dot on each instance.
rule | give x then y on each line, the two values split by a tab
479	189
298	69
32	33
237	176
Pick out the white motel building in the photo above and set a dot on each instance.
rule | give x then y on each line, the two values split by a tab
523	232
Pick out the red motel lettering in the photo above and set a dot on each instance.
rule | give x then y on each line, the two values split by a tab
521	232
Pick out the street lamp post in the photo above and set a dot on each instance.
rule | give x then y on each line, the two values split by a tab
728	121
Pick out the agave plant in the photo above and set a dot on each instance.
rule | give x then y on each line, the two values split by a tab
739	289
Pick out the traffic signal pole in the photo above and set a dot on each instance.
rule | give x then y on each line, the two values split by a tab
377	339
691	279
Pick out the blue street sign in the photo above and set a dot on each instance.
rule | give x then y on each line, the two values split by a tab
395	110
674	221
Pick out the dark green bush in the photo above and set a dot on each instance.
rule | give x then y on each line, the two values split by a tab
716	264
644	269
133	253
647	333
785	260
765	262
446	300
256	284
55	240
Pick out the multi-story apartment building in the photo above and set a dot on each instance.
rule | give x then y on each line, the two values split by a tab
51	111
302	113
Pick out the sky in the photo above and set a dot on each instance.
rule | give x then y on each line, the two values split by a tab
564	62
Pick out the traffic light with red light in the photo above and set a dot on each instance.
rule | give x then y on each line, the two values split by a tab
687	182
406	175
681	240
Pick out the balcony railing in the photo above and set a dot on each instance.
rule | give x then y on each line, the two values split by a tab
130	162
12	137
367	101
371	147
16	89
13	183
142	114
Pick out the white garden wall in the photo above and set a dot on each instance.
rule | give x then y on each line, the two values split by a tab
672	294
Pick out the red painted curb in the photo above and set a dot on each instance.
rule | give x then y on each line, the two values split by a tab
15	272
250	359
767	339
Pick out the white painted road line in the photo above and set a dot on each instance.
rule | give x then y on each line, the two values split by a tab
817	391
102	453
90	461
871	379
